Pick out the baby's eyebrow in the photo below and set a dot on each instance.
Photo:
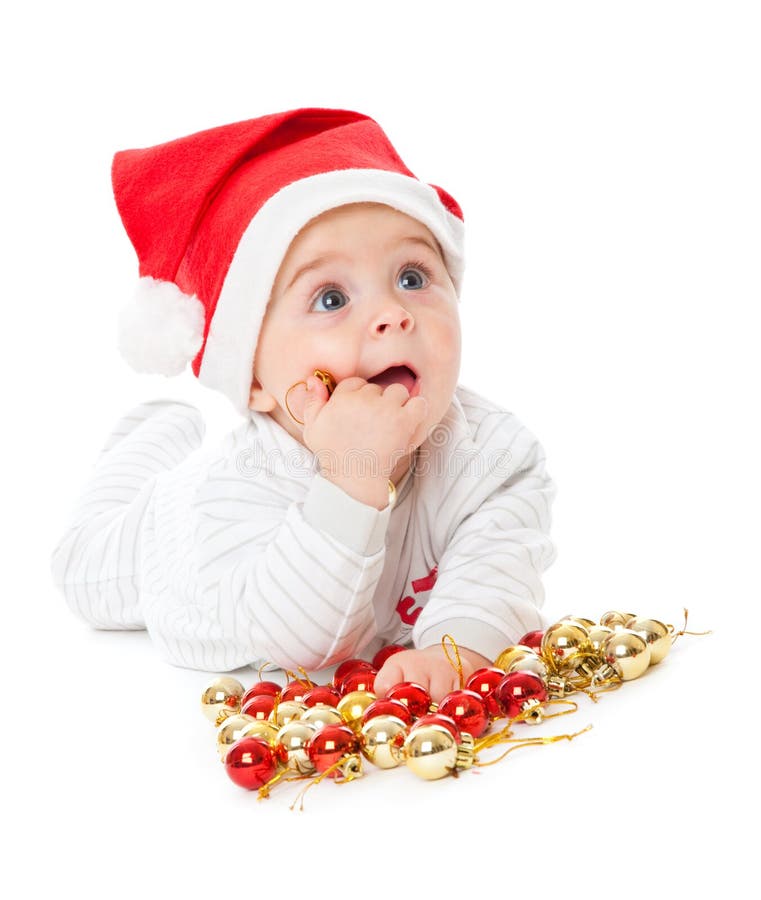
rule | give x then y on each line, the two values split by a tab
319	261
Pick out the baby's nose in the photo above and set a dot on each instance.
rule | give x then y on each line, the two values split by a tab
392	315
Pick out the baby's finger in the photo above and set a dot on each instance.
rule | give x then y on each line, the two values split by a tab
441	683
391	673
309	400
352	383
416	408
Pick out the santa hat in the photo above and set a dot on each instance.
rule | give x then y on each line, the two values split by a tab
212	215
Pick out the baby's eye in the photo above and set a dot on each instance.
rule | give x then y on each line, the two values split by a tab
412	279
332	298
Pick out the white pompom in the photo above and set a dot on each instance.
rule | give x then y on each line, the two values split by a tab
161	330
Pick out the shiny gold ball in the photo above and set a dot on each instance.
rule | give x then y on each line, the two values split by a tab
294	737
564	646
431	752
529	663
284	712
655	633
222	698
321	714
261	728
579	620
353	705
382	741
626	652
614	619
597	635
231	729
509	654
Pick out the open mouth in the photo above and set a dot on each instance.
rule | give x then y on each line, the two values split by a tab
396	375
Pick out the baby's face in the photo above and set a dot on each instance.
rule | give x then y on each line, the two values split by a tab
362	287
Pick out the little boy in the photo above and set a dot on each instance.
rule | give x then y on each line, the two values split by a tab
379	502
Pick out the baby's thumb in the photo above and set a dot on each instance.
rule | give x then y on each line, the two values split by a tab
316	395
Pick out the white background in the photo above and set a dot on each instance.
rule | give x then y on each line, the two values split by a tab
606	156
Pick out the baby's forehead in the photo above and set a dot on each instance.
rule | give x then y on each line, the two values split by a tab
381	226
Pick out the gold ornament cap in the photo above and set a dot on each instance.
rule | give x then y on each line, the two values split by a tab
466	751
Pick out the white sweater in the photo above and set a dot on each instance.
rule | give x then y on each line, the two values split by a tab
245	553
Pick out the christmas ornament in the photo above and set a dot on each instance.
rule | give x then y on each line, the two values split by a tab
382	738
329	731
221	698
251	762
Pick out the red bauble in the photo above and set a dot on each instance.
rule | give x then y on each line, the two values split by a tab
516	689
269	688
438	719
250	762
383	654
260	706
468	709
358	680
532	639
483	681
295	690
322	693
387	708
329	744
415	697
347	666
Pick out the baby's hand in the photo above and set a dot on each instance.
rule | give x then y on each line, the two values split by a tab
360	432
429	668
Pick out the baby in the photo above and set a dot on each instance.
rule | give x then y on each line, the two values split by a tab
367	498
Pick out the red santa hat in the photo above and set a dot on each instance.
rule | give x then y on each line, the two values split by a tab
212	215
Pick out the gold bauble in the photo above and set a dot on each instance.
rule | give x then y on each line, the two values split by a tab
579	620
231	729
509	654
382	740
655	633
564	646
431	752
597	635
321	714
261	728
626	652
222	698
293	737
614	619
352	707
286	711
529	663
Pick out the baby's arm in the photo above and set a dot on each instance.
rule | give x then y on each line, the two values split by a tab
488	590
96	563
293	579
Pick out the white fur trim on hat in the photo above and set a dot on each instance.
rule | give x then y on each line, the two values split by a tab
161	329
228	356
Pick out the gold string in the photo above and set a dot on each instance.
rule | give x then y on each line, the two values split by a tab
684	629
559	700
264	790
304	673
343	761
292	676
456	663
530	742
263	666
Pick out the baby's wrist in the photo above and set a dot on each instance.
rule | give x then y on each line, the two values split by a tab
368	490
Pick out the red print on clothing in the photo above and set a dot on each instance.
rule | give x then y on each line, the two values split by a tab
406	608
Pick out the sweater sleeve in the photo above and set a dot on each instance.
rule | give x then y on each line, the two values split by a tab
488	590
267	577
96	564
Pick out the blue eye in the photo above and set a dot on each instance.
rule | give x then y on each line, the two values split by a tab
411	284
333	298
